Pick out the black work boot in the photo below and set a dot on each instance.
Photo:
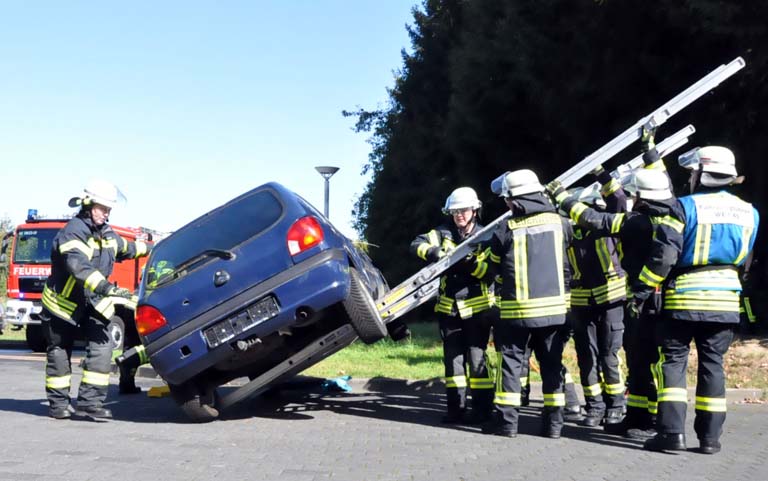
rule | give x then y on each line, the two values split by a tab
525	395
573	414
613	416
665	442
593	418
453	416
497	428
93	412
552	422
61	412
709	446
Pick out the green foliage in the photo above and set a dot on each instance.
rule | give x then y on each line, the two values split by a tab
494	85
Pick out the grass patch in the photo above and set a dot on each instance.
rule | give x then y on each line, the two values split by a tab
420	358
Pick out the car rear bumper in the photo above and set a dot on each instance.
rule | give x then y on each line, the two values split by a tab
317	282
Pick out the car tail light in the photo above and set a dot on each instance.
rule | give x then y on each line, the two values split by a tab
304	234
148	320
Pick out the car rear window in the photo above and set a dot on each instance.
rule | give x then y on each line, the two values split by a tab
222	229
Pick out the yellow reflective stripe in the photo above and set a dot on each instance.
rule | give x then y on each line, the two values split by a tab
481	383
606	263
521	266
711	404
448	245
658	165
68	286
433	238
657	372
748	310
455	381
141	248
593	390
421	251
58	382
673	394
636	401
653	407
617	223
576	211
746	236
716	279
614	290
554	399
612	389
77	244
609	188
57	304
94	279
95	378
650	278
480	270
721	301
143	356
675	224
574	265
110	244
105	307
507	398
539	307
701	244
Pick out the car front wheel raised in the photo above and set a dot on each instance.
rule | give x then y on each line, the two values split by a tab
197	404
362	311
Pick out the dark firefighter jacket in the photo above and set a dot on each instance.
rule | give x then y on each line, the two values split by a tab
82	257
646	263
595	258
719	234
528	256
461	291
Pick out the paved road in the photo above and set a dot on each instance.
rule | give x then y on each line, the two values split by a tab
382	430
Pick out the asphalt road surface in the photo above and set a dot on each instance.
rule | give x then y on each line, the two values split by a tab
382	430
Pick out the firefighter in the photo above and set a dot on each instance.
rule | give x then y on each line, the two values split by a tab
463	309
527	254
654	209
77	295
127	384
701	300
598	293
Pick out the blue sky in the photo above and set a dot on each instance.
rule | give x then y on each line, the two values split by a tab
187	104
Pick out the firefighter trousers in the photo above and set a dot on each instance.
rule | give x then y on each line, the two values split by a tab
60	336
598	332
547	345
481	386
571	396
454	361
642	353
712	342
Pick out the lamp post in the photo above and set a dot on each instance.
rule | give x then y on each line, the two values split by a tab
327	172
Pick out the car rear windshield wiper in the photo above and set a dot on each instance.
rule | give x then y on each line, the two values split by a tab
196	259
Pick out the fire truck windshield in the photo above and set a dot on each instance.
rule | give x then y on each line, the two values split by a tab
33	246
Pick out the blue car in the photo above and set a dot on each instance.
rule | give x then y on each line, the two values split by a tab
240	291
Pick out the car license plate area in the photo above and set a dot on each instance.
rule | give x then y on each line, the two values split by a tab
240	322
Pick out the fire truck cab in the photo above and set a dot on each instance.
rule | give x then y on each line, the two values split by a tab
29	265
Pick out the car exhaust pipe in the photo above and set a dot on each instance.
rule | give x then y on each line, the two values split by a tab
304	314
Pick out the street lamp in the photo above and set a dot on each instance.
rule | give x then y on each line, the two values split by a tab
327	172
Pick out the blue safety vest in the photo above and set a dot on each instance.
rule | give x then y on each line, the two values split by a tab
720	231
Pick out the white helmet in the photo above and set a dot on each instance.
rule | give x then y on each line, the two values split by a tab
520	182
712	159
652	184
462	198
99	191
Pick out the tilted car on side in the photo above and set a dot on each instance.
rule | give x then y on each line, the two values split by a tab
241	290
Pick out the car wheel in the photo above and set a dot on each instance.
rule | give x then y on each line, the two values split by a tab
362	311
35	338
197	404
116	330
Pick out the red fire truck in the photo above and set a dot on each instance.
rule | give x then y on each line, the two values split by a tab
29	265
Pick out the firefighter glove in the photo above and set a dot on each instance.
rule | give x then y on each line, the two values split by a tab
632	309
557	191
651	156
434	254
119	292
647	139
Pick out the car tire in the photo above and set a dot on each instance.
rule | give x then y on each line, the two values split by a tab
197	405
35	338
362	311
116	330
